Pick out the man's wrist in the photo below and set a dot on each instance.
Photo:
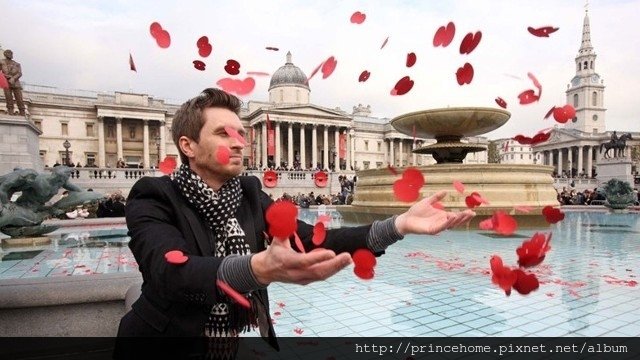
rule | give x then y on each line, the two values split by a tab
257	268
399	224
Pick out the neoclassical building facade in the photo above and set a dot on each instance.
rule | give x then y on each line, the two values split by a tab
288	131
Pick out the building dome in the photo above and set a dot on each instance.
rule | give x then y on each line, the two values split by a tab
289	75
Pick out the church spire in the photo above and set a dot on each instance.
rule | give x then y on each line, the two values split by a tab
585	46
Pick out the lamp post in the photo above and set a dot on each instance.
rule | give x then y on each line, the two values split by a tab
66	145
158	141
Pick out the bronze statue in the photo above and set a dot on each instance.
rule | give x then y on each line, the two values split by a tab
24	217
617	144
12	71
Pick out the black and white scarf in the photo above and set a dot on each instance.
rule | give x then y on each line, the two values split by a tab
226	318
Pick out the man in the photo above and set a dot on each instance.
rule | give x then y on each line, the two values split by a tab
13	72
216	218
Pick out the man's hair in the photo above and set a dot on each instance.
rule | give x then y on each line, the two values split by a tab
188	120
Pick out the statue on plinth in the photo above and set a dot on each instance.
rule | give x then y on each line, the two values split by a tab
24	217
618	144
12	71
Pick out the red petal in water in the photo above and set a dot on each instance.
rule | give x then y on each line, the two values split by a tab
464	75
470	42
319	233
411	59
444	35
223	154
552	215
403	86
533	251
282	219
525	283
502	276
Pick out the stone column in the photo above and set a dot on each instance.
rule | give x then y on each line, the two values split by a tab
580	150
325	139
352	148
589	161
392	152
303	145
290	146
263	145
278	146
551	157
163	141
145	143
102	154
336	146
401	151
415	158
314	146
570	160
119	137
347	144
560	162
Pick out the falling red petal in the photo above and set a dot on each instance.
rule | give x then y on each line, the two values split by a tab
444	35
239	87
319	233
486	224
199	65
470	42
542	31
235	134
163	39
328	67
223	155
527	97
282	219
500	101
364	76
270	178
413	176
403	86
358	17
564	114
459	186
411	59
525	283
504	224
155	29
405	190
203	40
364	273
533	251
205	50
232	67
176	257
233	294
314	72
272	48
552	215
167	165
298	243
364	258
502	276
549	112
464	75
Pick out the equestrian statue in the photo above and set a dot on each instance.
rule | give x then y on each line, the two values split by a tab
617	144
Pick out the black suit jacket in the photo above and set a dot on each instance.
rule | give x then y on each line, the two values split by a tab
176	300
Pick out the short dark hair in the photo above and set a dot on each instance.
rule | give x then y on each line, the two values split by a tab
188	120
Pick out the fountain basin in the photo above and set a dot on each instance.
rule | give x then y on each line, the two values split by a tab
504	186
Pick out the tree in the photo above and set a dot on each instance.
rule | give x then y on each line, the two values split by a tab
493	155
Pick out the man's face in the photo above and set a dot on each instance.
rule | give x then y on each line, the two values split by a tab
212	136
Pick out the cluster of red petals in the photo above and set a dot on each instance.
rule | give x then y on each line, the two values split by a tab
507	278
407	188
167	165
282	218
474	200
162	37
533	251
364	262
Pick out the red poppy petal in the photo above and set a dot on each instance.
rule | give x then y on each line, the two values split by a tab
176	257
232	67
459	186
328	67
202	41
270	178
235	134
239	87
500	101
282	219
199	65
358	17
542	31
403	86
364	258
564	114
486	224
411	59
233	294
364	273
272	48
223	155
471	202
167	165
413	176
205	50
163	39
525	283
527	97
155	29
319	233
444	35
470	42
299	243
504	223
364	76
464	75
406	191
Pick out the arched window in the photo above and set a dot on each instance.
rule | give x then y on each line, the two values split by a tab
575	100
579	66
591	65
586	65
594	99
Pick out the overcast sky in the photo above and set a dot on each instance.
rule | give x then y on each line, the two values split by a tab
86	45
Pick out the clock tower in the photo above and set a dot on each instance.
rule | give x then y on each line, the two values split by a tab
586	90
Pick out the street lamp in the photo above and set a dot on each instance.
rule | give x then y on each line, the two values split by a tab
66	145
158	142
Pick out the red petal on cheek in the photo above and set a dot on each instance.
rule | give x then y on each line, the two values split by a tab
223	155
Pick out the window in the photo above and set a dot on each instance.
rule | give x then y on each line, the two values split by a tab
594	99
529	156
90	159
366	145
38	124
591	65
595	117
586	65
365	164
90	130
64	129
521	156
43	154
132	132
575	100
595	131
511	156
379	147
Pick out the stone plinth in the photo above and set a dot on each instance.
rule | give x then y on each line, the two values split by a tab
19	144
615	168
504	186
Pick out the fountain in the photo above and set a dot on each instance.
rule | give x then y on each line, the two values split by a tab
505	186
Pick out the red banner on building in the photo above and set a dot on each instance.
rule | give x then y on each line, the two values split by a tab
343	146
271	142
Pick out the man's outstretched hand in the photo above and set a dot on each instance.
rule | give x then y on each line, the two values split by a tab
423	218
279	262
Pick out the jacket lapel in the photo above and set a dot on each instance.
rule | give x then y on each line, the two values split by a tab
199	229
